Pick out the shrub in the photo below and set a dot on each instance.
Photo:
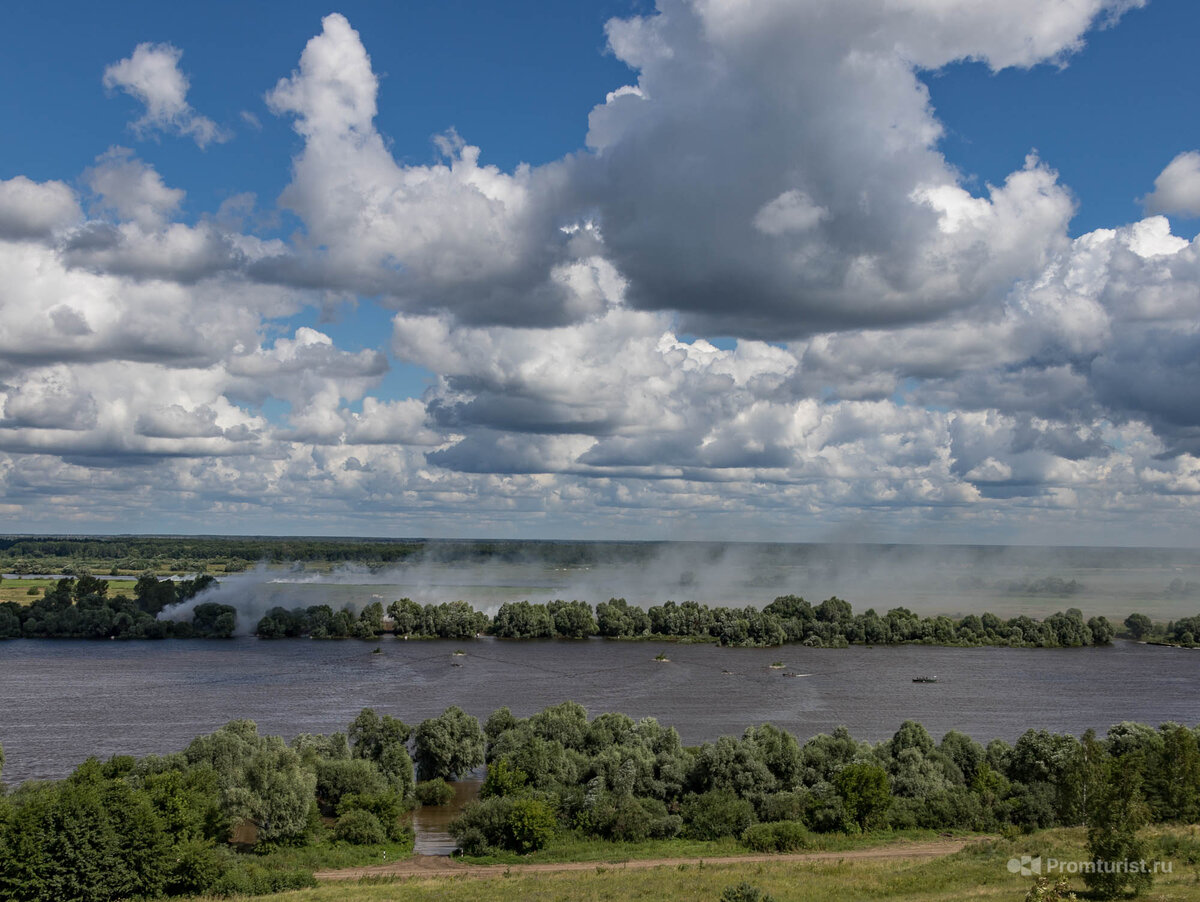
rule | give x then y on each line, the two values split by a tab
531	825
340	777
502	778
714	814
629	819
825	812
199	867
252	879
359	827
386	806
434	792
516	823
744	892
781	806
780	836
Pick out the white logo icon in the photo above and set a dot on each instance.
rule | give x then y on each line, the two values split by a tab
1026	866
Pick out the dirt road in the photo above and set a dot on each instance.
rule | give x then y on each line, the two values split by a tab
440	866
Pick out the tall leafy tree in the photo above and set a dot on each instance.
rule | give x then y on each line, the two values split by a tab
865	791
1116	810
449	745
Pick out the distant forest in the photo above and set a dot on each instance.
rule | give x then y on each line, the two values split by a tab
133	555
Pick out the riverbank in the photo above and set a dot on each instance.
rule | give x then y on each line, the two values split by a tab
976	869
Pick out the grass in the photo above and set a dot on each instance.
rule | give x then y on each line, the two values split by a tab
329	854
16	589
572	847
979	872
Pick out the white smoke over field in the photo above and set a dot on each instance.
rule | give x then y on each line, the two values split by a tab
954	580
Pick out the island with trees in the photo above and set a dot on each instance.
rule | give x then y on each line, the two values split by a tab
84	607
788	619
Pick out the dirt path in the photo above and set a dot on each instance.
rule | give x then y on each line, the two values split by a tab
440	866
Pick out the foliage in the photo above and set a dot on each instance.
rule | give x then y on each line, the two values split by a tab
359	827
745	892
81	608
449	745
516	823
261	779
456	620
1115	811
434	792
383	740
717	813
1045	891
865	792
778	836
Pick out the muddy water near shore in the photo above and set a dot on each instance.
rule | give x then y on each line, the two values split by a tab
431	822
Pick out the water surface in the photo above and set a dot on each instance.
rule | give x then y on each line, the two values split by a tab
61	701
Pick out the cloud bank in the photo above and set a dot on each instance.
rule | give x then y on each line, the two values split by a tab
758	302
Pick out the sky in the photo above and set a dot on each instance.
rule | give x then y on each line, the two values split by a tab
786	270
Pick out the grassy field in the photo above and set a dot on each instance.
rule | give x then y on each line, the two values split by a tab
567	847
979	872
18	589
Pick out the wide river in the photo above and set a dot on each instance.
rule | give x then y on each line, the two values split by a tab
61	701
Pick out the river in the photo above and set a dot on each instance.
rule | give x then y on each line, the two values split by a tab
61	701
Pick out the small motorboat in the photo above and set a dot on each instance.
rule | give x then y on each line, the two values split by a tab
925	679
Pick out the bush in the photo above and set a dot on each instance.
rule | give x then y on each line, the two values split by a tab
779	836
744	892
515	823
826	813
434	792
199	867
629	819
1185	848
340	777
781	806
502	778
386	806
252	879
531	825
360	828
714	814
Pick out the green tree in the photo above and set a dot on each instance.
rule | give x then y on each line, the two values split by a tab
865	791
384	740
1138	625
572	620
449	745
1116	811
214	621
371	735
261	780
1102	630
86	839
1175	777
407	616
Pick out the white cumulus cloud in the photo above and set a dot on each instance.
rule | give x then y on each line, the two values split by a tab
152	76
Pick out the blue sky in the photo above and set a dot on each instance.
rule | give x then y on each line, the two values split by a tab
519	78
767	292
